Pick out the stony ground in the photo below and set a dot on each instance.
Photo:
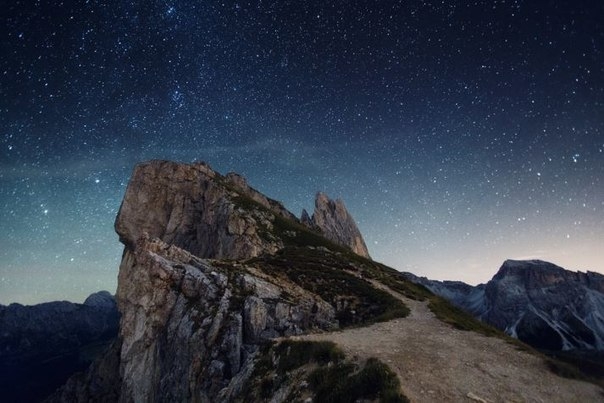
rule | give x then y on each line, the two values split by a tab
437	363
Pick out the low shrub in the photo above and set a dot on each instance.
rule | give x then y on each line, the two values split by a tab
330	376
341	384
294	354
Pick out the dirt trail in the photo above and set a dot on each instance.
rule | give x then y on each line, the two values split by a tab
437	363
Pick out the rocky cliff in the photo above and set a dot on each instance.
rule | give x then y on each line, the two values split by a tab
332	219
538	302
191	328
214	216
199	210
42	345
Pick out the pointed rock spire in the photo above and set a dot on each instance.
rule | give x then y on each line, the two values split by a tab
305	219
335	222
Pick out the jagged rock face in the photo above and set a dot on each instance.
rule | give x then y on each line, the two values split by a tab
42	345
336	224
540	303
195	208
190	328
214	216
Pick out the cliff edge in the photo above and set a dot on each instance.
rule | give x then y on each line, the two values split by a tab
212	270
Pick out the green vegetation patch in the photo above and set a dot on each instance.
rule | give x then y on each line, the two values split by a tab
296	234
320	369
459	319
328	275
587	366
388	276
395	281
294	354
247	203
344	383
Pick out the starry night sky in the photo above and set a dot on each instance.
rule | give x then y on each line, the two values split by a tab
458	133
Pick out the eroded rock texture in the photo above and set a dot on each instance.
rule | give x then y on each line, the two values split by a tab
336	224
538	302
191	327
197	209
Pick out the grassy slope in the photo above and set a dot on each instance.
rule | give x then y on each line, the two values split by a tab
331	276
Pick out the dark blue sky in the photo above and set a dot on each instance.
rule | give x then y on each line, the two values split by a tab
458	133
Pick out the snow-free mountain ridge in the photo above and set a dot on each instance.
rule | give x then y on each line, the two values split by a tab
538	302
42	345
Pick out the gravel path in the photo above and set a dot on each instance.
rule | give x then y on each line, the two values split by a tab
437	363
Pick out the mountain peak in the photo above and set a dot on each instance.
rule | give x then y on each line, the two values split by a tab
537	301
335	222
534	272
528	263
195	208
101	299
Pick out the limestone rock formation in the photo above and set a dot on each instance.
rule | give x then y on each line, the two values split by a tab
190	327
213	216
305	219
336	224
542	303
195	208
183	317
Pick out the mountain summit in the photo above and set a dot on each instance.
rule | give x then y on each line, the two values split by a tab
193	207
42	345
336	224
538	302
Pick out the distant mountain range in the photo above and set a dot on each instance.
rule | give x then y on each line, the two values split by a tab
43	345
538	302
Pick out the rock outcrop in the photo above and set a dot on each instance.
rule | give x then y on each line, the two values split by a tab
213	271
42	345
538	302
199	210
213	216
336	224
191	327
